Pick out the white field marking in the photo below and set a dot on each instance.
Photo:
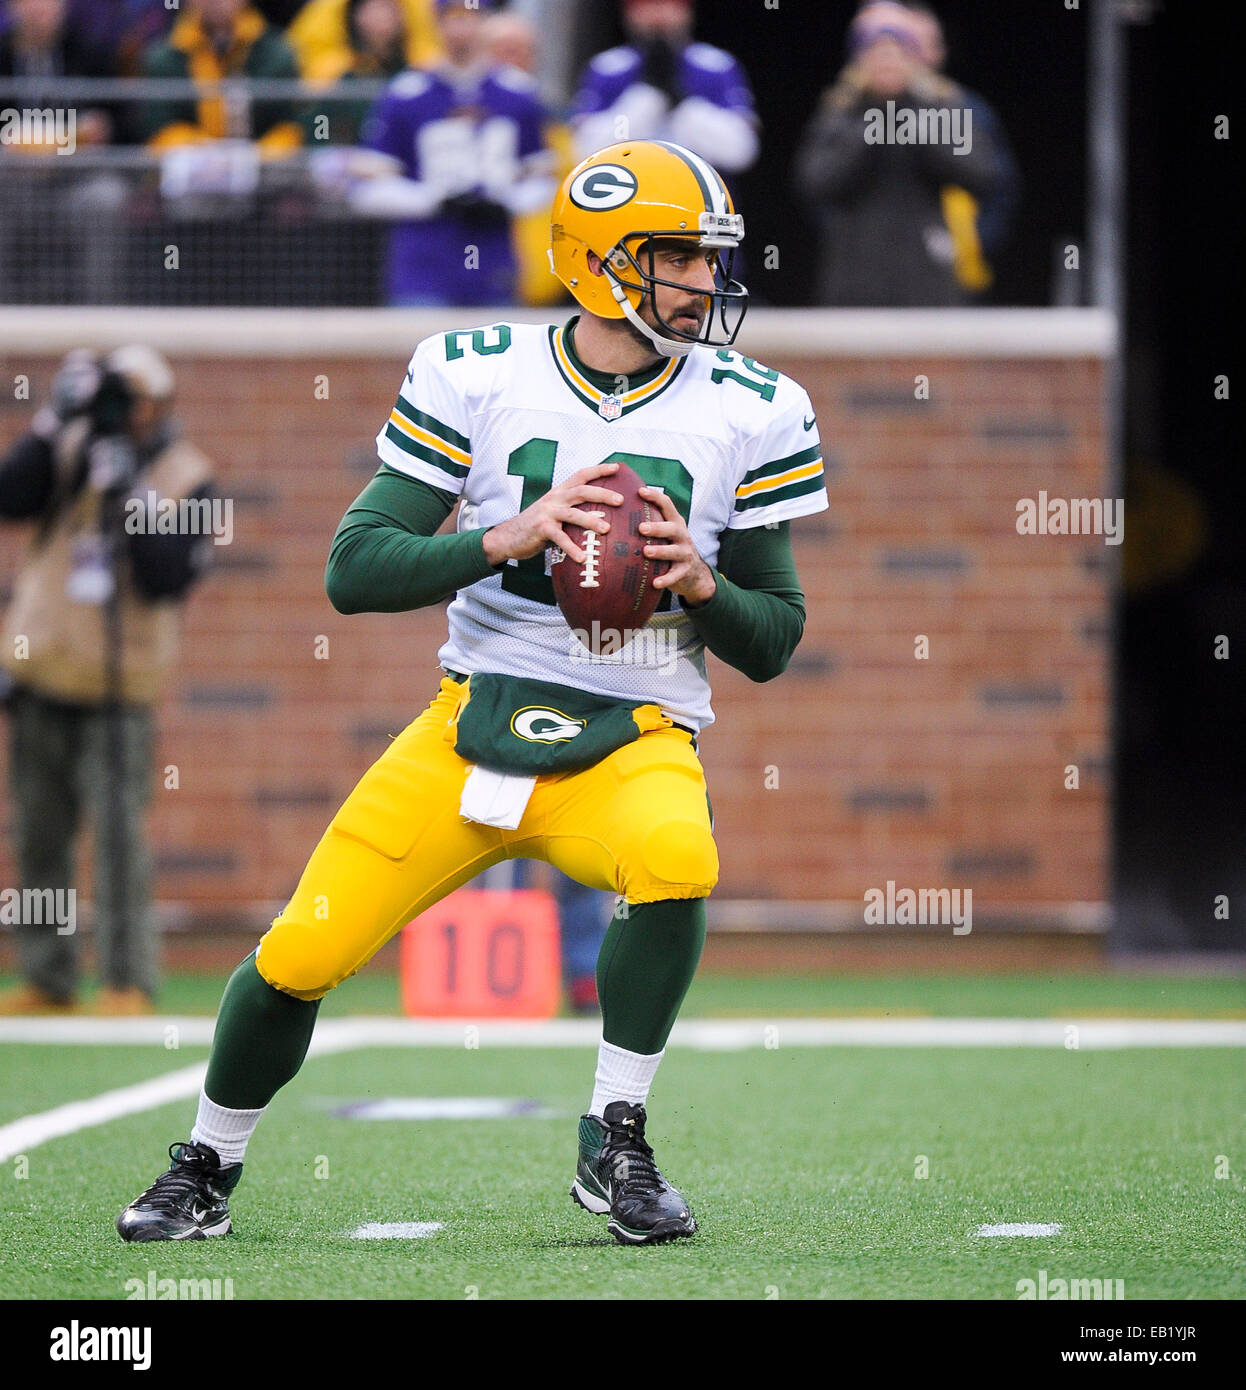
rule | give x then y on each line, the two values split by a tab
30	1131
190	1032
396	1230
444	1108
1021	1228
701	1035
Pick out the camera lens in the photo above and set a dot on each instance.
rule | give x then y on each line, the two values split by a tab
110	411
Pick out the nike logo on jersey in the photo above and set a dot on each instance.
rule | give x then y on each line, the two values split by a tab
813	420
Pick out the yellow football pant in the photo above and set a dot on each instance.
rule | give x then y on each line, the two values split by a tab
636	823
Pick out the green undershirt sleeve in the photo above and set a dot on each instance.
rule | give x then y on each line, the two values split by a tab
385	557
757	614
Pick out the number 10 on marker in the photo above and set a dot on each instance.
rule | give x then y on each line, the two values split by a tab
483	954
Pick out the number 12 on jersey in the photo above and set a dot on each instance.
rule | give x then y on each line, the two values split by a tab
534	463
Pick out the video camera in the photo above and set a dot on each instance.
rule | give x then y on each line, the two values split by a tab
86	386
109	409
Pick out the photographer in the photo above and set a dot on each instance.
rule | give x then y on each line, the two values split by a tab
88	638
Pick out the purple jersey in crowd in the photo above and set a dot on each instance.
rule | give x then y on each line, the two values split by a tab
456	139
702	71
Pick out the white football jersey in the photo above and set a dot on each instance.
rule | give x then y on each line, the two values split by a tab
500	414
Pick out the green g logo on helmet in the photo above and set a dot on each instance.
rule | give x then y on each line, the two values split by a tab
603	187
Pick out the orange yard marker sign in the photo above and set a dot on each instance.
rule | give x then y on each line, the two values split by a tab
483	954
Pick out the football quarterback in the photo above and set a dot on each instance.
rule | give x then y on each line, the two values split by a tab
522	426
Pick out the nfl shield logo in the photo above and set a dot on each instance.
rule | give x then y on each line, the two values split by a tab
611	407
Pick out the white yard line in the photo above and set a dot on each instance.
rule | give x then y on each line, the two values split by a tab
1021	1228
30	1131
167	1031
708	1035
704	1035
397	1230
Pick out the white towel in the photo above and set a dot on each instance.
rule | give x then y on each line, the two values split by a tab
495	798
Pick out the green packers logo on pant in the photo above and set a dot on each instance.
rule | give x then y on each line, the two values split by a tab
537	724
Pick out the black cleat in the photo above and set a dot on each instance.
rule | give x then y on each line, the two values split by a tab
189	1202
616	1174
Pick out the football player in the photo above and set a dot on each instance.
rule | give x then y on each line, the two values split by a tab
523	425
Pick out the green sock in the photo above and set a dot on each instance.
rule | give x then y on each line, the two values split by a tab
644	968
261	1039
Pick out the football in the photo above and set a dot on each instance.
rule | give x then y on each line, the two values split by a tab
610	596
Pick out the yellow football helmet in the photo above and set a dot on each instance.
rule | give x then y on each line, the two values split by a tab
621	200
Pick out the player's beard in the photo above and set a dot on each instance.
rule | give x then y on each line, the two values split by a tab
647	312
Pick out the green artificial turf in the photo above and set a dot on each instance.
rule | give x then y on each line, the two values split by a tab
801	1165
1059	994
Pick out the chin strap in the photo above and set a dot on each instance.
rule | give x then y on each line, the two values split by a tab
668	347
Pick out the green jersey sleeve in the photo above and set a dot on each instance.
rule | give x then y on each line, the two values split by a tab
755	619
386	557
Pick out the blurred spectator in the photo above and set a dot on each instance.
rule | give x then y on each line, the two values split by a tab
890	136
372	43
90	634
511	41
123	28
318	35
372	47
278	13
49	201
993	219
214	40
42	44
466	152
662	86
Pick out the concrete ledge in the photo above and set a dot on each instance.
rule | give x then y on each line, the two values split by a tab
393	333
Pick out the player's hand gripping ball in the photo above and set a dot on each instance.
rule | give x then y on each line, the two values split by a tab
609	597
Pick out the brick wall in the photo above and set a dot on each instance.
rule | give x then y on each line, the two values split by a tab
946	772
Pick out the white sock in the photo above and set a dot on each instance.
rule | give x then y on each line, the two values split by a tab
227	1131
622	1075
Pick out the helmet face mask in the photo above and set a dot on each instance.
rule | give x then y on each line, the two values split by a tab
610	220
727	301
